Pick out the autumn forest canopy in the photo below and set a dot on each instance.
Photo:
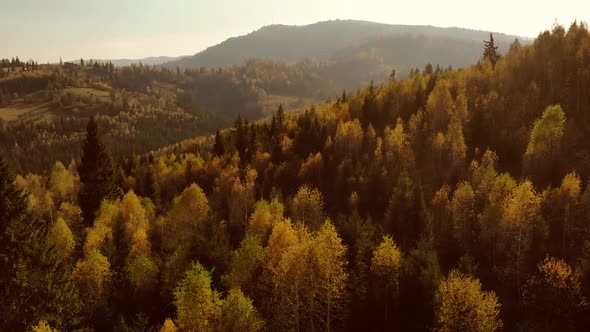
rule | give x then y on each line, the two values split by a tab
448	199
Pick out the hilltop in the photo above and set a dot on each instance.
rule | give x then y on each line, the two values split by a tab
397	45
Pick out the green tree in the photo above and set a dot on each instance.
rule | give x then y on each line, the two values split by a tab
197	305
239	314
463	216
63	184
456	142
544	148
94	278
245	263
188	214
241	138
439	106
218	146
97	174
419	280
142	272
61	240
369	112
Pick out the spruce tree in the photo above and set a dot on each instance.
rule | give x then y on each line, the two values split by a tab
369	110
97	174
392	75
241	139
218	147
490	51
280	119
151	189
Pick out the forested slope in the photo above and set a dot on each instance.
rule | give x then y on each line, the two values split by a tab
43	108
454	199
396	45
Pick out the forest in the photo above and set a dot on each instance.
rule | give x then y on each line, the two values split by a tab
43	108
450	200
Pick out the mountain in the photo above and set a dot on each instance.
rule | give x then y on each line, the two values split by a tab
398	45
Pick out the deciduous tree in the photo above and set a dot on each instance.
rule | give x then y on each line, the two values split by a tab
464	306
197	305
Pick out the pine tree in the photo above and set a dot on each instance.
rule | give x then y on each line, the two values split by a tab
151	189
241	138
490	51
97	174
369	110
392	75
218	147
280	118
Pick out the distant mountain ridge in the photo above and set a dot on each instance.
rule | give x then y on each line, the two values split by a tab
154	60
334	39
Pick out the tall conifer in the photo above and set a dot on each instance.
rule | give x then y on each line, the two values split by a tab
97	174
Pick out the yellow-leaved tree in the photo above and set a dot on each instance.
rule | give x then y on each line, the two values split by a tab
189	211
197	305
521	214
239	314
386	265
553	297
61	240
168	326
463	306
308	207
544	148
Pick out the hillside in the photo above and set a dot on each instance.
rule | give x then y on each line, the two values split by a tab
325	40
43	111
43	108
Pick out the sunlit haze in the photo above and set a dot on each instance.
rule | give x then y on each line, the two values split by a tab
46	30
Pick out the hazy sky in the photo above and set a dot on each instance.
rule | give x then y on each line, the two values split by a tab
47	29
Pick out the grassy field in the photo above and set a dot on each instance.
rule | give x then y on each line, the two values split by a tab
44	111
103	96
19	111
